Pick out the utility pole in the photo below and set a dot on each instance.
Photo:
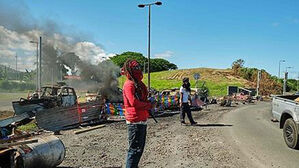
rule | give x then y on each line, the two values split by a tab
59	62
52	77
298	82
61	77
37	74
285	83
5	72
40	66
16	66
258	82
8	72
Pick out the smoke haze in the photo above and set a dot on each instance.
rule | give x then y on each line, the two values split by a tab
18	28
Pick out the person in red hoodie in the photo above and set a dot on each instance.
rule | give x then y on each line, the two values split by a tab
137	111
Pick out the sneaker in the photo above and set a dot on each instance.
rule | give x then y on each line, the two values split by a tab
194	123
183	123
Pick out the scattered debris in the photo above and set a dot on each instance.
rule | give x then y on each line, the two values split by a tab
10	120
89	129
213	101
226	102
91	97
274	120
7	145
61	118
37	151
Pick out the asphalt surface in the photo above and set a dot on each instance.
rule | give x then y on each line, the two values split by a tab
259	140
5	105
7	98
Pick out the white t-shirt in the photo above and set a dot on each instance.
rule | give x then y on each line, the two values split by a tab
185	94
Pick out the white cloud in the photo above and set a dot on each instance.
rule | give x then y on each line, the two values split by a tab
12	42
166	54
88	51
7	53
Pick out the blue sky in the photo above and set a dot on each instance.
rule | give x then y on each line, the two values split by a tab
188	33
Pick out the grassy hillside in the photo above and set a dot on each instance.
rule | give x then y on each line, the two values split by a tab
216	80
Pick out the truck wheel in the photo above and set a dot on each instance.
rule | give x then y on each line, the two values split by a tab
290	133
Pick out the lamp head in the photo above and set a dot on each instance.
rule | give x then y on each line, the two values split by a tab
141	5
158	3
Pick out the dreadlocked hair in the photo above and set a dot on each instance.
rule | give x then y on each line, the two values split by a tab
137	84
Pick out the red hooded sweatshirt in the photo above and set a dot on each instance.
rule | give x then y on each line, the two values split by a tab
136	110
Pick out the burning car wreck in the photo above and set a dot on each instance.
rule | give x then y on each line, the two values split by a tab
50	97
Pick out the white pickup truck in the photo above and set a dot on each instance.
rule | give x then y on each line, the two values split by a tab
286	110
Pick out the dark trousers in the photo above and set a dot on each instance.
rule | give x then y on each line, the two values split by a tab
136	137
186	109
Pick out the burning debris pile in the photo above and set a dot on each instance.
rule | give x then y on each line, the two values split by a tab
101	78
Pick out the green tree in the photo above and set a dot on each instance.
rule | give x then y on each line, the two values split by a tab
157	64
121	58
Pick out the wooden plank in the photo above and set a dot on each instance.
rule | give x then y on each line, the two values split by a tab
6	145
89	129
18	137
6	150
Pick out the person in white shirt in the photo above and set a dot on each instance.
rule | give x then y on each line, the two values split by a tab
185	102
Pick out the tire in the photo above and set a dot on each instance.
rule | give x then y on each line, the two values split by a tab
290	133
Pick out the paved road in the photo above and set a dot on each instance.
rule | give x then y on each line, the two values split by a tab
258	139
4	105
7	98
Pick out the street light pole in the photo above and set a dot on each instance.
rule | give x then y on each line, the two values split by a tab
149	40
144	64
16	66
279	68
288	68
35	42
149	49
285	80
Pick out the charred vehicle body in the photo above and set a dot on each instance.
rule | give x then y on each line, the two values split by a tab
51	96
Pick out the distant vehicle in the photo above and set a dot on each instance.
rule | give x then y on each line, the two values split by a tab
297	93
54	97
285	109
